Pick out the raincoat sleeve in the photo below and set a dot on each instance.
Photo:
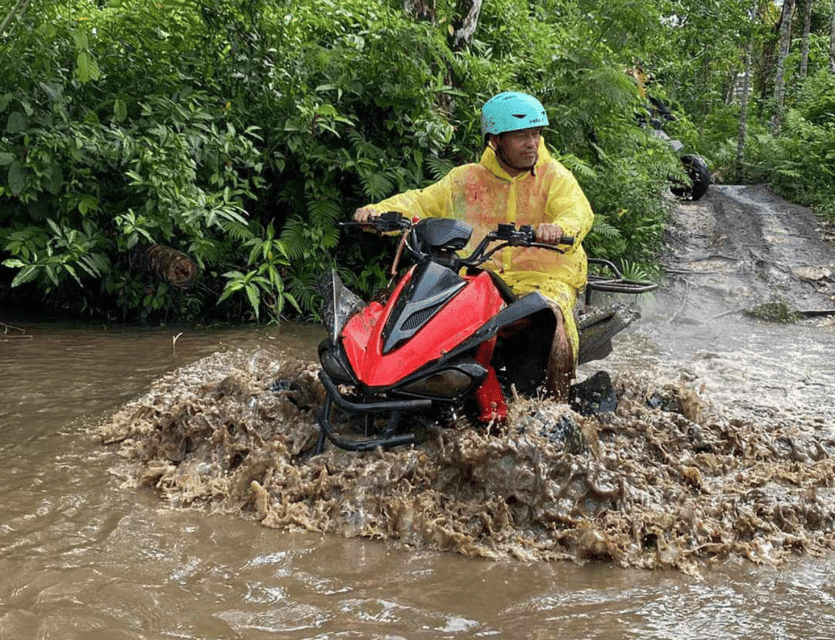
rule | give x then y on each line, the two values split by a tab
568	206
434	201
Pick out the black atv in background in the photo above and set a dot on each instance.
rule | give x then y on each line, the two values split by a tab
694	165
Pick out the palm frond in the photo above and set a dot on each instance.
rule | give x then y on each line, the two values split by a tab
635	271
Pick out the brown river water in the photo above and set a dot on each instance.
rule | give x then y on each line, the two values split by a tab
84	556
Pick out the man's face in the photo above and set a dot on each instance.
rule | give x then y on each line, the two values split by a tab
518	149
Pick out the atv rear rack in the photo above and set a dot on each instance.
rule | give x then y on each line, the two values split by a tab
616	284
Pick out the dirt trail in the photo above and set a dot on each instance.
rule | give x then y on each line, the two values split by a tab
722	444
741	245
735	250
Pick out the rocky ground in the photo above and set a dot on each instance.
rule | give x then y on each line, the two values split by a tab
742	246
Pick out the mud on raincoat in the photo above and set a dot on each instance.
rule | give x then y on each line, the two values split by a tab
484	195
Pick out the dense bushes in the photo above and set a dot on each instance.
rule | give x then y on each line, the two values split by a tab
801	160
240	132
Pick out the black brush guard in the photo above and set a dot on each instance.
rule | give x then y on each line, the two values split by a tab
389	437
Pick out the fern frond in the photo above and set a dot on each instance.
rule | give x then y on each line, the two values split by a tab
302	283
363	148
294	238
323	212
376	186
330	237
439	167
235	230
603	228
205	251
577	166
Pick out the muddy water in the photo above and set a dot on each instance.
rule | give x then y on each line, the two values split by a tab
82	556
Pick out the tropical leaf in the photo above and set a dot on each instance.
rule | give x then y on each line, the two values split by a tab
323	212
603	228
376	186
439	167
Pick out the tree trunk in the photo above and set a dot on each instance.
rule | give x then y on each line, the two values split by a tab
807	27
464	24
779	80
167	264
20	9
832	41
743	100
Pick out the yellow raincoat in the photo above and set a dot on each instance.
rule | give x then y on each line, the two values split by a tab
484	195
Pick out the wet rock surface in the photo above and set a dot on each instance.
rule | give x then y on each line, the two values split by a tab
741	247
686	471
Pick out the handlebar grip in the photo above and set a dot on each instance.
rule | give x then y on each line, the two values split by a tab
569	240
386	222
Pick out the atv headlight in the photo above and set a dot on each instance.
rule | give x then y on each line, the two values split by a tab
334	367
448	384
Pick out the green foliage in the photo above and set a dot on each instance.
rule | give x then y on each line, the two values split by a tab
88	180
241	132
263	284
799	162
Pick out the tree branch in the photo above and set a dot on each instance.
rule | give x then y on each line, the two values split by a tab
20	8
465	23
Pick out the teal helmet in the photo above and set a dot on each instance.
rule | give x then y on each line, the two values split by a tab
511	111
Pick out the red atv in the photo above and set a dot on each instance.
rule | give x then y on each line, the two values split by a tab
450	337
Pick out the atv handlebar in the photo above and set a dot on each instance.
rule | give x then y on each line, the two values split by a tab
507	235
384	223
524	236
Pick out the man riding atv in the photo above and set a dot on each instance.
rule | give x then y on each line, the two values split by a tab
517	181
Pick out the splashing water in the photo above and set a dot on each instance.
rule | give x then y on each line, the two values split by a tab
669	480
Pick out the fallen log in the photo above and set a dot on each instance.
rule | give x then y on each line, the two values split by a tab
168	264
